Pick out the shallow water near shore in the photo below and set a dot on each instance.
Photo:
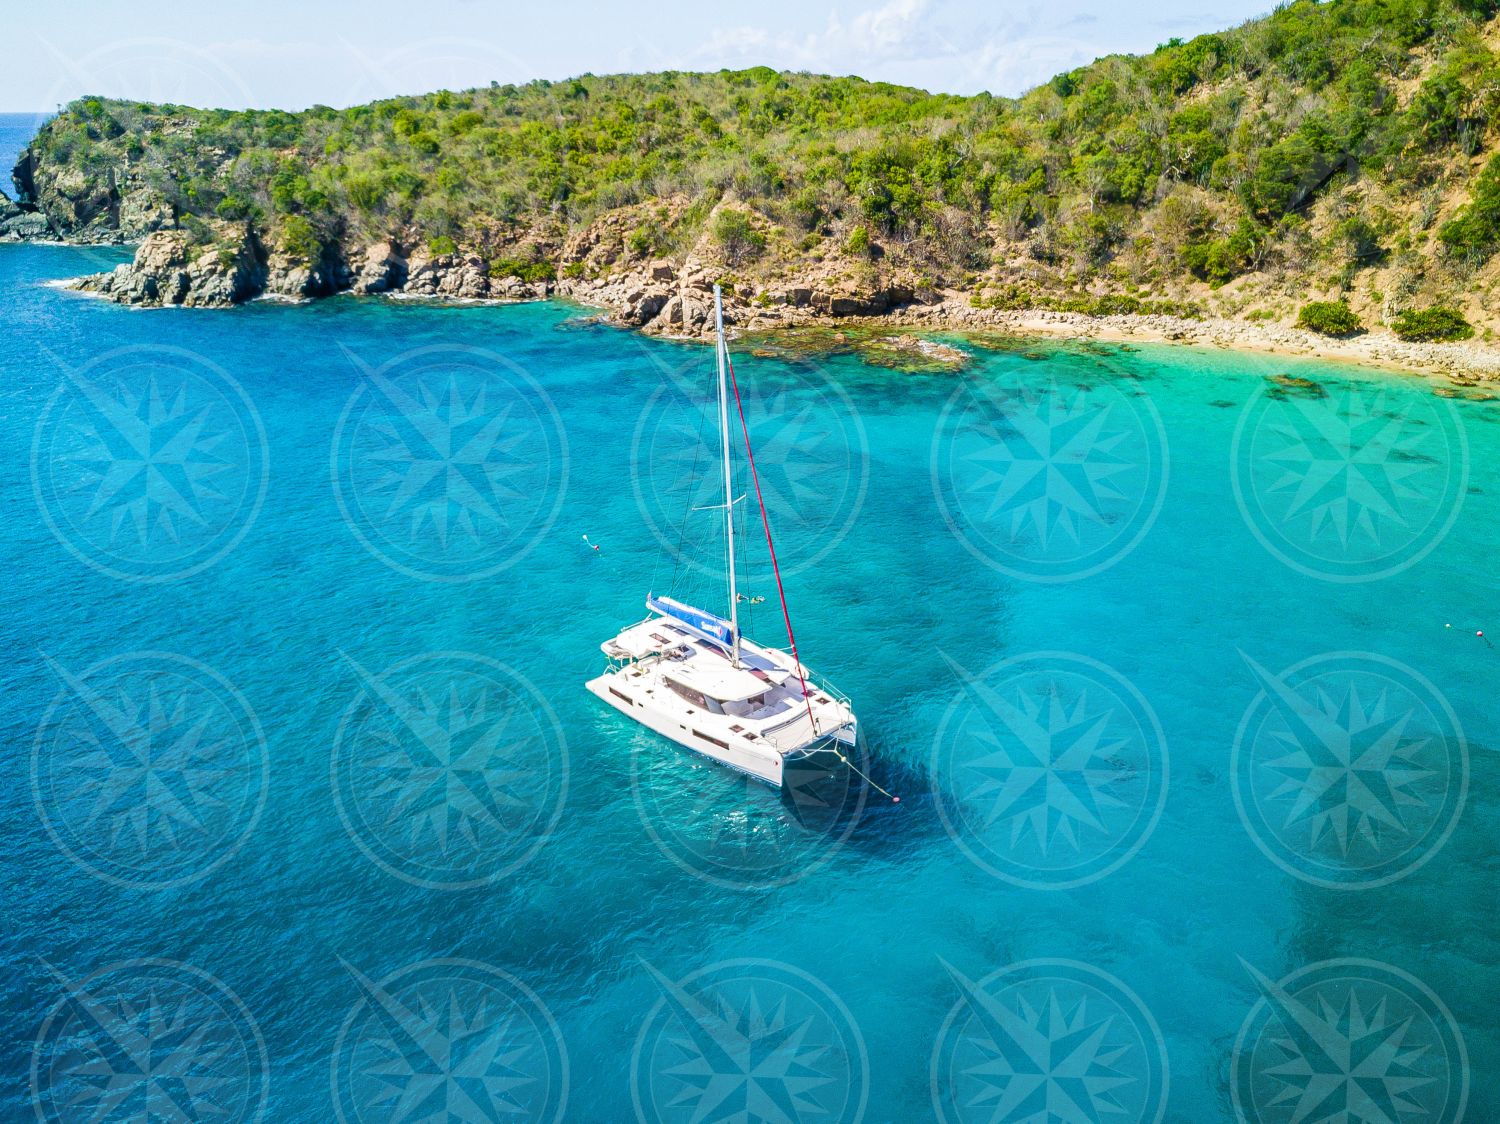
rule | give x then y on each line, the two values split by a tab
1140	605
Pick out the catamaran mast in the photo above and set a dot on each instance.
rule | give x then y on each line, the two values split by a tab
734	599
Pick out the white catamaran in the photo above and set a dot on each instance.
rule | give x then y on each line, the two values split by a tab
689	675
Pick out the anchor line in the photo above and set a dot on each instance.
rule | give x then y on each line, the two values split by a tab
865	776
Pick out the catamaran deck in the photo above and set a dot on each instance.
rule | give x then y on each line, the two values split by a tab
689	683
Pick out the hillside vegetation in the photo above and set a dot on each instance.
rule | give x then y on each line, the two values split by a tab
1342	150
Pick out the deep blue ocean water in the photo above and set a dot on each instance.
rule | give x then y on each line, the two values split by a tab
235	743
16	129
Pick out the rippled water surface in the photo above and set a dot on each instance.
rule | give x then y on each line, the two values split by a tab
307	811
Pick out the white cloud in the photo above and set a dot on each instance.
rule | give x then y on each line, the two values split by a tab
895	30
909	41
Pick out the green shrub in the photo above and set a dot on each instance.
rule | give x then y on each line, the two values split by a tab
1224	259
737	235
1440	325
858	242
524	268
1329	318
440	244
1474	232
573	270
641	241
1016	297
237	207
300	239
198	232
1360	239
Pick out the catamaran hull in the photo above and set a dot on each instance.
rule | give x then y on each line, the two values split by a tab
765	766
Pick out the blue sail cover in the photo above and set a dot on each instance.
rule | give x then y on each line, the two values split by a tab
706	625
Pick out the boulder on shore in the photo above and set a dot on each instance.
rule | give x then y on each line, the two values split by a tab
379	268
169	269
291	275
20	223
459	275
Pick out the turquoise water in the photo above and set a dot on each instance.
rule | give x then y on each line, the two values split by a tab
287	562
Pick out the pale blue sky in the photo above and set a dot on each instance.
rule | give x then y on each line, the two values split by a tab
293	53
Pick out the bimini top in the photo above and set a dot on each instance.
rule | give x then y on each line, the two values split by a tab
715	677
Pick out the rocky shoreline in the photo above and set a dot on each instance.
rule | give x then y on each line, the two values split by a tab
224	263
675	301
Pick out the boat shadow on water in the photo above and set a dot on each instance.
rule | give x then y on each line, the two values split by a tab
735	830
851	799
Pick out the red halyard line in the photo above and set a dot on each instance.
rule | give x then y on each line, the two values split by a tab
770	546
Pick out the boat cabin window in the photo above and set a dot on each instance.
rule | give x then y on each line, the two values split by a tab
697	698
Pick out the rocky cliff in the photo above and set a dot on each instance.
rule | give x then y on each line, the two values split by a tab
99	202
22	221
660	296
218	263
